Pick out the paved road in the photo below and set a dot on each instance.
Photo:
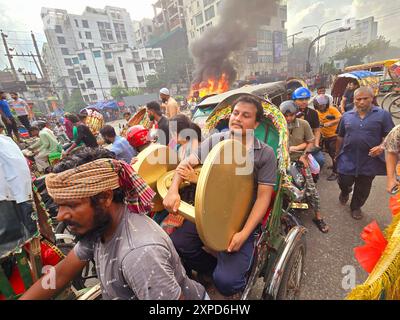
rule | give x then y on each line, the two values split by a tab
328	254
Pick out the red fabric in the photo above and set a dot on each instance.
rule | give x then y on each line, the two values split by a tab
49	258
375	243
394	204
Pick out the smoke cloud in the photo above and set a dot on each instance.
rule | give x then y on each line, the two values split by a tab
238	19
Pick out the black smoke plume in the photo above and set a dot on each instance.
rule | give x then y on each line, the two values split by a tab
238	19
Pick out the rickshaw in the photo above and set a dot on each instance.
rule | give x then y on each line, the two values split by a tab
223	199
364	78
276	92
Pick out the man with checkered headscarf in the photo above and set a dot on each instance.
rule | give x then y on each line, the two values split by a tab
104	202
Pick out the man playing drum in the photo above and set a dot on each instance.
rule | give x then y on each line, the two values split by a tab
230	268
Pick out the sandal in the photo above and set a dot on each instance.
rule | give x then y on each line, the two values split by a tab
322	226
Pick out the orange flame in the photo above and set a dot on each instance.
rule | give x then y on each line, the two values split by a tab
210	86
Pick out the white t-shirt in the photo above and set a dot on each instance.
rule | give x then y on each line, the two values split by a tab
15	177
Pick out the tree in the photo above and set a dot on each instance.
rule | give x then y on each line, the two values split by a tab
379	49
75	102
119	92
157	81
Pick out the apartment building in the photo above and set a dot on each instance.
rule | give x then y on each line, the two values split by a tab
266	50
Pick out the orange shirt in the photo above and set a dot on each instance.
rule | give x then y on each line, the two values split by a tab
330	131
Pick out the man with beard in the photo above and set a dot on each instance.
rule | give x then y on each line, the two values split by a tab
360	149
105	203
120	146
155	115
169	104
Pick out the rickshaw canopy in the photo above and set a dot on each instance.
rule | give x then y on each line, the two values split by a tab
364	78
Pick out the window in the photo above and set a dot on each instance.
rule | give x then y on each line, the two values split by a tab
82	56
106	33
199	19
120	62
61	40
120	31
83	87
210	13
58	29
123	74
152	66
113	81
97	54
91	45
74	82
71	73
80	35
93	97
85	70
68	62
75	60
108	55
65	51
88	35
90	84
138	67
79	75
157	54
106	46
76	23
140	79
83	45
126	84
85	23
110	68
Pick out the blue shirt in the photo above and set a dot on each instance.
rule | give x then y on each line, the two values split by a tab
5	108
360	136
123	150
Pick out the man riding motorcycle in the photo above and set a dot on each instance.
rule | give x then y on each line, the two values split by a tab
301	143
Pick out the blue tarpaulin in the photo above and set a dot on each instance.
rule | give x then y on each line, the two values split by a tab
107	104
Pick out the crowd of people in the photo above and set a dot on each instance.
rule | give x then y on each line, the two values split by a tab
106	203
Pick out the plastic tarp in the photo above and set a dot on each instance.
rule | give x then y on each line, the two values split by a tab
102	105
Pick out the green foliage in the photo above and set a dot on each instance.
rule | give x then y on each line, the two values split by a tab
379	49
119	92
75	102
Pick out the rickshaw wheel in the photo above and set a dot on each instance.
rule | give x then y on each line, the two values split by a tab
394	108
292	277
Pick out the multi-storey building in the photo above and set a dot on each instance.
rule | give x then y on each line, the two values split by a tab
94	51
362	32
266	50
144	30
169	15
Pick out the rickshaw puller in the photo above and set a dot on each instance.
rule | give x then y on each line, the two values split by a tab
105	204
229	269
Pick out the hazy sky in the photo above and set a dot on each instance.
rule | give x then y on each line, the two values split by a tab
24	15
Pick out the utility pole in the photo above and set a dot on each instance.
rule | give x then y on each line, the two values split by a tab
42	65
293	35
97	72
9	56
37	65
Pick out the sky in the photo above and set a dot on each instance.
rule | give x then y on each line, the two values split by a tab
24	15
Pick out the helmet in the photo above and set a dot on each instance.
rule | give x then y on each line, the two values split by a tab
137	136
288	107
301	93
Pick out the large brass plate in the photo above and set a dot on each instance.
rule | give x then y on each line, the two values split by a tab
154	162
223	196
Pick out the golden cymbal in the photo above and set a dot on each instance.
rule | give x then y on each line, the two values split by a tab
223	196
153	162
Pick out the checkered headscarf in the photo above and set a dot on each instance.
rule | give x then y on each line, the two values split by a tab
98	176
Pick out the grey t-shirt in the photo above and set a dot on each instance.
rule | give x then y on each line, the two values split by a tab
139	263
265	163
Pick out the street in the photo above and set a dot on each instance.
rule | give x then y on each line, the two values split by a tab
328	254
